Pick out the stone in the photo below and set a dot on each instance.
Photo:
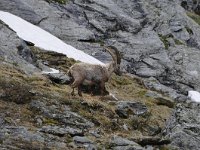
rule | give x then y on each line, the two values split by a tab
25	52
84	142
95	133
151	140
61	131
12	50
126	108
160	99
20	137
66	117
23	10
60	78
154	84
120	143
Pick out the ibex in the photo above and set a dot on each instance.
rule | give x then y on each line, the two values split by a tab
90	74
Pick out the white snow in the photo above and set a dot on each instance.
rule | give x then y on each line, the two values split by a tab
43	39
52	71
194	96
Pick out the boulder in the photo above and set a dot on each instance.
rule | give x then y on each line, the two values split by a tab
160	99
119	143
60	78
15	51
126	108
66	117
61	131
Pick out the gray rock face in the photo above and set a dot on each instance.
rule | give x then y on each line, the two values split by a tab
82	140
119	143
21	9
191	5
126	108
13	137
61	131
60	78
158	41
160	99
67	117
183	127
186	70
14	51
154	84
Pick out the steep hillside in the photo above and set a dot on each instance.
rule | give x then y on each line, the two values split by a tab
148	106
38	113
153	35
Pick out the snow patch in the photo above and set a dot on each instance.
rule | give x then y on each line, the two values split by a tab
194	96
43	39
52	71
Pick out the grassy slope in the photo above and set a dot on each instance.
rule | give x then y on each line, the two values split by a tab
99	110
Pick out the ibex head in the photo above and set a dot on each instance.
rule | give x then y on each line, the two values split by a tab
116	55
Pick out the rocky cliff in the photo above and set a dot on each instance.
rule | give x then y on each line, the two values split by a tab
159	40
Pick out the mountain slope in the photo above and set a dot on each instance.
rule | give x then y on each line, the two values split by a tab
160	42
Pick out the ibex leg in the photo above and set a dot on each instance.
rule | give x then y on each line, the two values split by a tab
75	84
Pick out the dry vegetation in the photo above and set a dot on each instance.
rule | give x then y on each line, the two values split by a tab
18	89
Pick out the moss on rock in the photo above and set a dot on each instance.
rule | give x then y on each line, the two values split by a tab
194	16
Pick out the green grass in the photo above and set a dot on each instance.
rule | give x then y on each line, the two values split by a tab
189	30
97	109
164	38
178	42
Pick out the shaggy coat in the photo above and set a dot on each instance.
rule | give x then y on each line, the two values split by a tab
90	74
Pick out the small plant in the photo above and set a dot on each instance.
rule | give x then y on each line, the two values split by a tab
164	38
189	30
49	121
178	42
140	122
120	80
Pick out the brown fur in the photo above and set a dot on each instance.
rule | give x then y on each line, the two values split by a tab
84	73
